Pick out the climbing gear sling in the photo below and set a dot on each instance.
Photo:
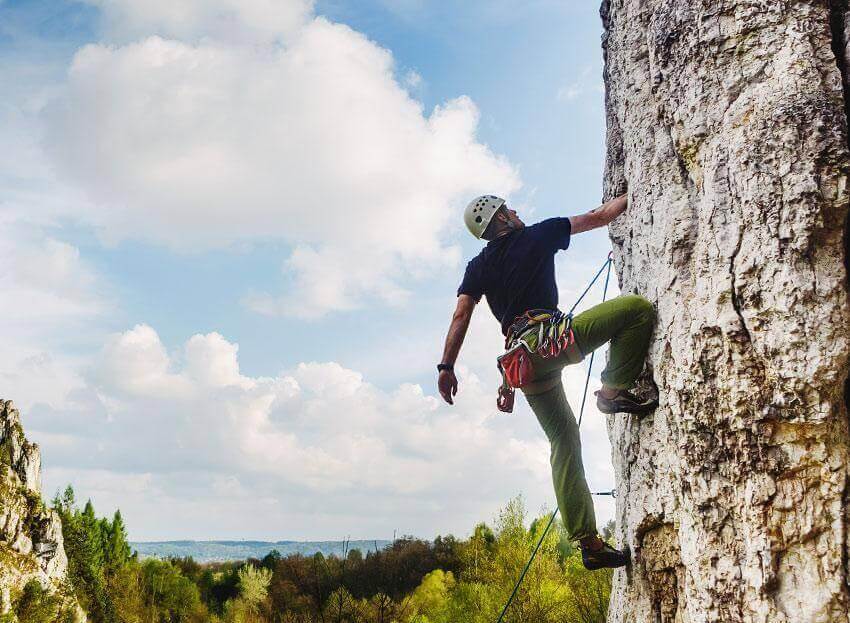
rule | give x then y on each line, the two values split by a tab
605	266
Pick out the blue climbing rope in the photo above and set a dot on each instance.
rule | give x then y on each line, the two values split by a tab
590	366
605	266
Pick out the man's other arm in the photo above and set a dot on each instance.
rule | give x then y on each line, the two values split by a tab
600	217
447	381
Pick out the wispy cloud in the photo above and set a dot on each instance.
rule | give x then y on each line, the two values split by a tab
588	82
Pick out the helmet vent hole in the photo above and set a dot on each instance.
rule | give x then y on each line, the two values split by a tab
477	219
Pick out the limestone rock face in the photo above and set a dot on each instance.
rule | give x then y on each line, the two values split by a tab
31	545
726	119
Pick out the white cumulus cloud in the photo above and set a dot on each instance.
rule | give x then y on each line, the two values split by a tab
51	296
199	143
316	432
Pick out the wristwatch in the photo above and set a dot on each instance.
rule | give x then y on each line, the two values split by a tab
445	366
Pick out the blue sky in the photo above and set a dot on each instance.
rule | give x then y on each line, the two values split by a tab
184	177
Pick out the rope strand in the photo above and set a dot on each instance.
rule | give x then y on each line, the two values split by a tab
590	366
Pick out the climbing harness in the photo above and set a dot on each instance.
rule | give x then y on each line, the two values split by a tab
545	332
613	493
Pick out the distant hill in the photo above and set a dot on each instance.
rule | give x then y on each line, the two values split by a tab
210	551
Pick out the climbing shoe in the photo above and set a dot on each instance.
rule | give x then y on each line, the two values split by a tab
625	402
603	557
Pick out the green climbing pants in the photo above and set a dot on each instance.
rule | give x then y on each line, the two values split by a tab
627	322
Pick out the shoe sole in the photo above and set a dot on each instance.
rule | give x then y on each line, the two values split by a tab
601	565
638	410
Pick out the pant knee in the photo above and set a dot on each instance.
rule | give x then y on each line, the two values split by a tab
558	434
565	443
640	307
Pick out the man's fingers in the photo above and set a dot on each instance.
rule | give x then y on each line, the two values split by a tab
446	394
447	384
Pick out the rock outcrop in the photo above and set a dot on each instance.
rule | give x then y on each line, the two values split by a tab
726	118
31	544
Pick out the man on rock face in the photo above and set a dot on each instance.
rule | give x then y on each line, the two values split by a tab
516	272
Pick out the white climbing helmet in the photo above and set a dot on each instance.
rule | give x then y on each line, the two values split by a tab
480	211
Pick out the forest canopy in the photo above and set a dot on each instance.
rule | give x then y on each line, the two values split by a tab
446	580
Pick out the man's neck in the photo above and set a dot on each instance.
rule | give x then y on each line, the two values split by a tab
504	232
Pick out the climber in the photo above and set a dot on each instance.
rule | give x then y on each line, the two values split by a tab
516	271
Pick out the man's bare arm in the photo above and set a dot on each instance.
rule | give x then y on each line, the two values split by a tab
600	217
447	382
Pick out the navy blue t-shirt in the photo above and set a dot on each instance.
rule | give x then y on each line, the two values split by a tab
517	271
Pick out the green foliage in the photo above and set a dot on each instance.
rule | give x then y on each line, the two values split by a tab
218	583
556	587
342	606
430	601
116	547
590	591
410	581
252	603
85	546
36	605
110	584
169	594
271	559
254	584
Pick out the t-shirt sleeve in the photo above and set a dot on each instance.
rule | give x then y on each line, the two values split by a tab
555	232
473	281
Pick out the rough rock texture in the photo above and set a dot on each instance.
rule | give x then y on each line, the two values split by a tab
727	120
30	534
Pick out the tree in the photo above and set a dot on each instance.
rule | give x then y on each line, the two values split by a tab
429	602
342	607
589	592
117	548
728	122
93	530
271	559
254	584
170	596
354	557
83	537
